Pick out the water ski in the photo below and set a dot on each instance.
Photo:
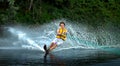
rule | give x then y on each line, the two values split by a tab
46	50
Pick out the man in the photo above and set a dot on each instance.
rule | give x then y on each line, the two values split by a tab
60	37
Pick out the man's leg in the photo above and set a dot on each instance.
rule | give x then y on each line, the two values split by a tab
52	46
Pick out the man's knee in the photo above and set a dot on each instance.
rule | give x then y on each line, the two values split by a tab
52	44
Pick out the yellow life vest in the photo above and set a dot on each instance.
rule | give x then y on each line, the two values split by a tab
63	34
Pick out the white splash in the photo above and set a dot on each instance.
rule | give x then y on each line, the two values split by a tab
22	36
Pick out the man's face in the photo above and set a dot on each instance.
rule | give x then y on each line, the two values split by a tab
62	25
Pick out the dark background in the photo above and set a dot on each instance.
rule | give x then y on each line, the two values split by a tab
29	12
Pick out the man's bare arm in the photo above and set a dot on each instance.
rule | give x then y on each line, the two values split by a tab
58	32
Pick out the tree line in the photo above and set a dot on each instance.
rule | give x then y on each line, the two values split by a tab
93	12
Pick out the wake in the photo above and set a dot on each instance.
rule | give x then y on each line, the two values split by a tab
23	37
33	45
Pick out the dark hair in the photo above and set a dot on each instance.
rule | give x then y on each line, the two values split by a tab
62	23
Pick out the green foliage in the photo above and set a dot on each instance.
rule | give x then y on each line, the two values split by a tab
8	16
93	12
11	2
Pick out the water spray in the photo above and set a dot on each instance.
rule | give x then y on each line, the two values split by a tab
22	36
